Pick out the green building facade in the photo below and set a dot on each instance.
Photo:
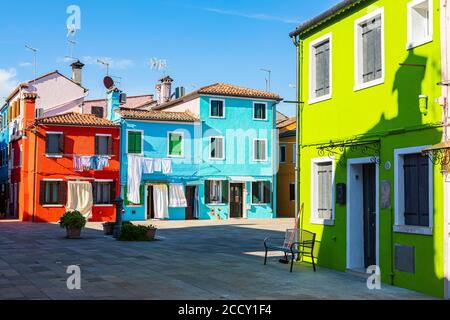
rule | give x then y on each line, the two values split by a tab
368	73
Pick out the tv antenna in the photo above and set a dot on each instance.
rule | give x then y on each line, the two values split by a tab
34	51
106	64
72	44
269	79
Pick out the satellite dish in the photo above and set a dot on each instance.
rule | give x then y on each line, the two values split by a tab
108	82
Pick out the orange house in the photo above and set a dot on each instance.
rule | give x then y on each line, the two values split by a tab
64	162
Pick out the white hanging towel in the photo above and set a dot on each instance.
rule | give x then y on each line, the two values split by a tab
161	201
166	166
177	196
157	165
134	179
148	165
80	197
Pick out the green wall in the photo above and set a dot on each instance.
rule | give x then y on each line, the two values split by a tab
388	112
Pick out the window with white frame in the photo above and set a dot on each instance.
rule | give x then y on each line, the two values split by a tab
217	108
322	191
261	192
216	147
260	150
420	22
320	69
369	50
413	190
260	111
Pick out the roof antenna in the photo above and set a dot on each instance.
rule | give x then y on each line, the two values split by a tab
72	44
34	51
105	63
268	80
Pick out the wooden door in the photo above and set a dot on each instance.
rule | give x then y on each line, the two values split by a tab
190	197
236	200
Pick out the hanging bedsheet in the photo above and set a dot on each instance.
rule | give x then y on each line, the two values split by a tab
80	197
177	196
161	201
134	178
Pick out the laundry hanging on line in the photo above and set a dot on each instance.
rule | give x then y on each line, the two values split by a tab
151	165
87	163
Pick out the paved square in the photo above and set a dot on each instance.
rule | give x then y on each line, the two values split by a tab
191	260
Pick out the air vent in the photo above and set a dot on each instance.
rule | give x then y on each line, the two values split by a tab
405	258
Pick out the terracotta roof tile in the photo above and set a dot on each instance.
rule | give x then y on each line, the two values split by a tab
232	90
157	115
78	119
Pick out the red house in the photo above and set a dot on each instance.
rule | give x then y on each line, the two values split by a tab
65	162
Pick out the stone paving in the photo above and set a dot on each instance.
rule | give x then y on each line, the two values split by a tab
191	260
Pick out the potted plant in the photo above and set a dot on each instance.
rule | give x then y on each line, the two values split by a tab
73	222
130	232
108	228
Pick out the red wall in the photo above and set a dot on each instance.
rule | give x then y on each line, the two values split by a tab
77	141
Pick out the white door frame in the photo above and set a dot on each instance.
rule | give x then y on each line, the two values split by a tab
362	161
244	199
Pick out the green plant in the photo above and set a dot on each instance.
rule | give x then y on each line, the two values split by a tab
109	224
131	232
73	220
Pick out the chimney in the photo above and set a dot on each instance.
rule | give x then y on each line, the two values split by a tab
166	89
77	67
29	108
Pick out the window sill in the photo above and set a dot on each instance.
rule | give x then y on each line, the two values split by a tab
52	206
323	222
217	204
216	159
54	156
319	99
413	45
426	231
103	205
256	119
373	83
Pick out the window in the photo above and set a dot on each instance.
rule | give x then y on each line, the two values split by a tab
292	192
217	148
260	150
216	191
103	145
97	111
413	191
320	69
134	142
294	154
175	144
260	111
54	143
261	192
104	192
420	22
217	108
53	192
369	48
283	154
322	191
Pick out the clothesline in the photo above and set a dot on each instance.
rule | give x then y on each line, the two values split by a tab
79	155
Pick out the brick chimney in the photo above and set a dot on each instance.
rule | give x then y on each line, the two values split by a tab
166	89
29	108
77	68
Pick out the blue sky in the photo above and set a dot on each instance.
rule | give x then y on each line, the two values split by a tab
203	41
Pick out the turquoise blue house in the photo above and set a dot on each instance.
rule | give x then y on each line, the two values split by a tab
4	142
219	142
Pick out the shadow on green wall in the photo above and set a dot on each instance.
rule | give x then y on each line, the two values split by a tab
406	128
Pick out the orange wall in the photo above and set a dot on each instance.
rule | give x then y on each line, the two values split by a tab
286	176
77	141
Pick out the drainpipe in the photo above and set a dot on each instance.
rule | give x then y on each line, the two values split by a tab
298	128
34	172
445	41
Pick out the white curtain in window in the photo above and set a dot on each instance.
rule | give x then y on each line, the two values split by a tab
161	201
80	197
177	196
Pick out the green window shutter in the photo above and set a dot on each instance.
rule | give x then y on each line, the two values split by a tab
142	191
207	192
225	186
131	142
138	142
175	144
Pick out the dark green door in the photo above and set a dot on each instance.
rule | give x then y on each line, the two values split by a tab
236	200
369	194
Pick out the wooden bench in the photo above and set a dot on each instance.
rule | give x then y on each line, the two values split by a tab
304	246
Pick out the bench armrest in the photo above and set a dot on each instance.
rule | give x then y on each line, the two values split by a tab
269	240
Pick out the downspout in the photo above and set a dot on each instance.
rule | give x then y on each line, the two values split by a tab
34	172
275	156
298	128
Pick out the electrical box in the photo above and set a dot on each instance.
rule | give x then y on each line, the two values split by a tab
341	193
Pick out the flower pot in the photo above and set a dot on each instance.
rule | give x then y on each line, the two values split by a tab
73	233
151	234
108	229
